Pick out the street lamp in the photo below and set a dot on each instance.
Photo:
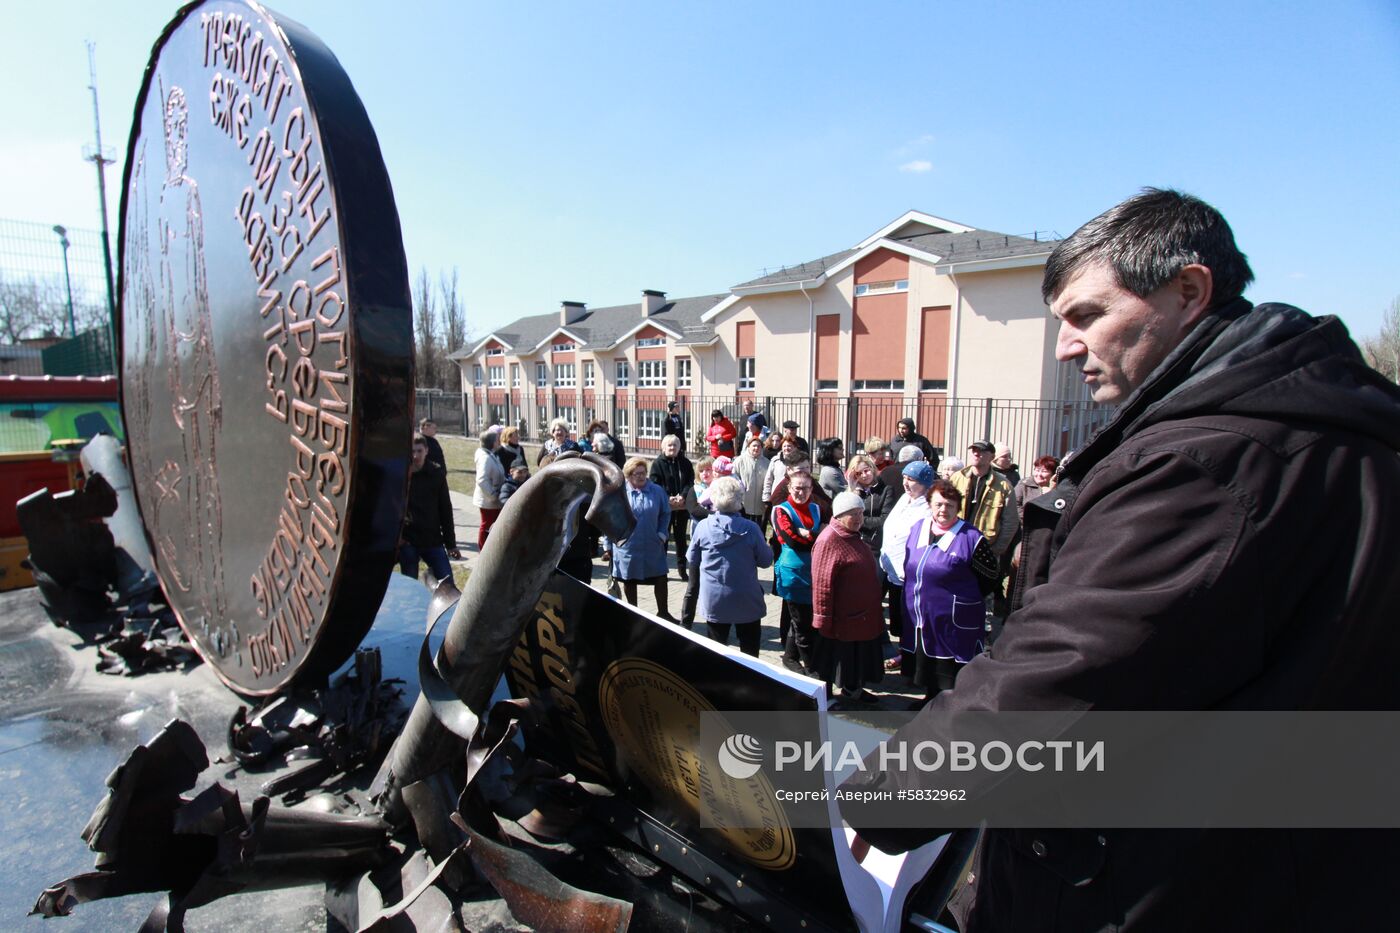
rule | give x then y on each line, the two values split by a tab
67	279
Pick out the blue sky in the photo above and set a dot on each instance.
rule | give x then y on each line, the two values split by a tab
586	151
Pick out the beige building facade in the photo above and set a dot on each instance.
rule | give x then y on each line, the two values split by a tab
920	318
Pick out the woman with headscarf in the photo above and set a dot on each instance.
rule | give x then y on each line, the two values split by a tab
642	557
751	468
944	612
849	625
908	510
725	555
797	521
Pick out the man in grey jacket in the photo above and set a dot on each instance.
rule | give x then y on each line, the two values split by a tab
1226	541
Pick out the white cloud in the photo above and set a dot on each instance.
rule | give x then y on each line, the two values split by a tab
918	166
914	145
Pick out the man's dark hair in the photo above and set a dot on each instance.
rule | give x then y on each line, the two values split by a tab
1147	240
420	439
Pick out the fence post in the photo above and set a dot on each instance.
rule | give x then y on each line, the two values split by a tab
987	422
853	442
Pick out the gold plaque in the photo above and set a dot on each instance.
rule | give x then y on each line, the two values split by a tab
653	717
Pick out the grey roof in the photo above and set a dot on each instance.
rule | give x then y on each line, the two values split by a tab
798	273
973	246
603	327
976	245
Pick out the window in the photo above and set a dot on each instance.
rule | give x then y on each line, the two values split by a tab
476	376
495	351
933	385
882	288
542	374
651	374
515	375
563	347
624	374
651	342
878	385
620	428
826	385
565	375
588	379
651	422
746	372
682	372
569	414
497	376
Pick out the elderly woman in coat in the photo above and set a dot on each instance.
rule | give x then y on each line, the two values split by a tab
726	554
642	557
751	469
490	477
558	441
908	509
846	614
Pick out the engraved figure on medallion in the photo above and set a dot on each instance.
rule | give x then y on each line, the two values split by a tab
190	538
140	322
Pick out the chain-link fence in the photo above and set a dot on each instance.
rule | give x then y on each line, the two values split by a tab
39	275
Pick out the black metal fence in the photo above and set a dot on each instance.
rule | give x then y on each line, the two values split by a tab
1031	427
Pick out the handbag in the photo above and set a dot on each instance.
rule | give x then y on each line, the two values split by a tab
986	568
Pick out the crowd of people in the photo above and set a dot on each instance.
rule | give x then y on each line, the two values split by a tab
893	560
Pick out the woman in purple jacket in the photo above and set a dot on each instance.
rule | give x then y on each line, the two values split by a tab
944	616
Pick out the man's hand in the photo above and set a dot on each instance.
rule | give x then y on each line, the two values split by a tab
677	502
454	554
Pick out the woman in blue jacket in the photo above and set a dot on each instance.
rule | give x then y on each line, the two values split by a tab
642	557
726	553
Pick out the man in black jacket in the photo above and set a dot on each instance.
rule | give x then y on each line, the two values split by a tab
1226	541
675	474
429	530
675	424
905	434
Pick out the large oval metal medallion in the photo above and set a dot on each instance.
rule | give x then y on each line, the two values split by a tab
266	340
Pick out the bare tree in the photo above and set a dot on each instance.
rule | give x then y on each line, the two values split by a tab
428	352
1382	350
32	307
454	315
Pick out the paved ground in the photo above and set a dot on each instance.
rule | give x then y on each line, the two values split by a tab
894	692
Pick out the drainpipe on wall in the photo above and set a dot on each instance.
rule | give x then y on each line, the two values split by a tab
811	341
949	441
